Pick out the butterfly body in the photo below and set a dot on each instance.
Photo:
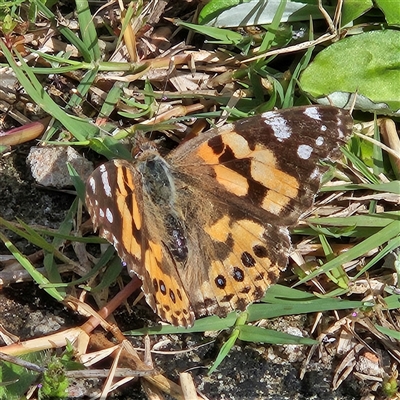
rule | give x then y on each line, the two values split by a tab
205	227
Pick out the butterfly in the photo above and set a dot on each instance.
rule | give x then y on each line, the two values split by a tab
206	227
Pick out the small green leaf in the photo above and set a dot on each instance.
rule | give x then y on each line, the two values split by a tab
110	148
8	24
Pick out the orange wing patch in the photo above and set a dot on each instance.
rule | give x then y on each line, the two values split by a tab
170	300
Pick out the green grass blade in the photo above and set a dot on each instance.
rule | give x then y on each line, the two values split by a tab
392	245
33	272
390	187
256	334
389	332
66	32
34	238
288	301
35	90
384	235
88	30
224	351
360	166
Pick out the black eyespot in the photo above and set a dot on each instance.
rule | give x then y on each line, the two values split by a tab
260	251
238	274
172	296
220	281
155	284
248	260
163	288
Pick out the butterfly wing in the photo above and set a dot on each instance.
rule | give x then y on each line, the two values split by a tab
267	164
115	201
254	178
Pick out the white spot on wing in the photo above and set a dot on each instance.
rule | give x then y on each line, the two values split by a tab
115	240
92	184
315	174
319	141
101	213
323	128
279	125
313	113
304	151
109	216
105	180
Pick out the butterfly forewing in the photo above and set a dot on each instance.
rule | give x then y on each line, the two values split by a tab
267	164
206	227
114	197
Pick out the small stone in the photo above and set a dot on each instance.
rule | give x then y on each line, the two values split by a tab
49	165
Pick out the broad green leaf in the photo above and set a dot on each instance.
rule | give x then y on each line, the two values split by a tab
367	65
353	9
16	379
391	9
228	14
